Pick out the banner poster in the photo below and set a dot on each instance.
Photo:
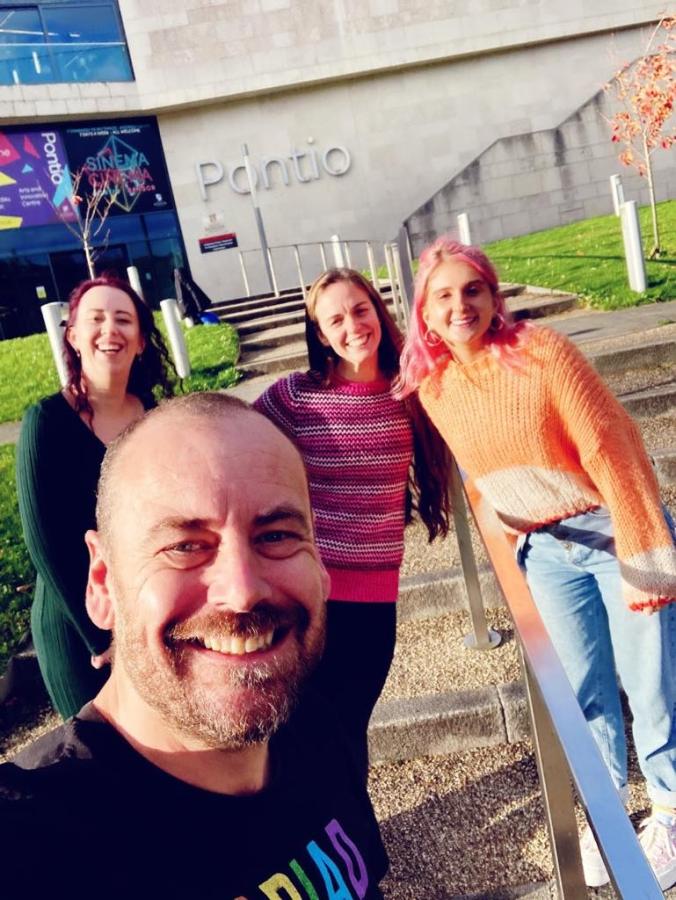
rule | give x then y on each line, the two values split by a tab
35	186
125	160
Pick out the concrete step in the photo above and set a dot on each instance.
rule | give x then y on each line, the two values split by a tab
288	358
441	697
256	301
254	327
237	317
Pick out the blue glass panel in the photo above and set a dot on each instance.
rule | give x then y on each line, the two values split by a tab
92	63
25	65
93	23
20	26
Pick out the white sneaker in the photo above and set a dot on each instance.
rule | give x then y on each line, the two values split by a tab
658	841
593	867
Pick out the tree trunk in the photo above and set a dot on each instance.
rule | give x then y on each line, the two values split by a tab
89	256
653	208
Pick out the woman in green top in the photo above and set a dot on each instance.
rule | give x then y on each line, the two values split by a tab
116	359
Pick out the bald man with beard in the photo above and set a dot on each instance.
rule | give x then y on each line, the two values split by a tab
201	769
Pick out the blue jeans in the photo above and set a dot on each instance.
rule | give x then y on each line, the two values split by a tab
574	577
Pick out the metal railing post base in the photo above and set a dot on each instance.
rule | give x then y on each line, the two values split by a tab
494	640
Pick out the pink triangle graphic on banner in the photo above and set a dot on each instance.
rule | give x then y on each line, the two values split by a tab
29	148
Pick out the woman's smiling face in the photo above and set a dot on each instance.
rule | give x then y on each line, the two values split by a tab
459	307
106	332
348	323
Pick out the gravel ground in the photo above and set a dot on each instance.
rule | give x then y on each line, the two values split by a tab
472	823
431	658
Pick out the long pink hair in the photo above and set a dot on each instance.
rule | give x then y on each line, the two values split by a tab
420	358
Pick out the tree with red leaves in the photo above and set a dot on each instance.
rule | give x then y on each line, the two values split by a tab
647	93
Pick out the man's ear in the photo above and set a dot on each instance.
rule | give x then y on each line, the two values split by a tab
98	597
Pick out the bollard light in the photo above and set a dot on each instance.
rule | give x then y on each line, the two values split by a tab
464	233
179	351
633	245
135	280
52	313
617	191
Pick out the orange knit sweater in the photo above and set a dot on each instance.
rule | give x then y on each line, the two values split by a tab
548	441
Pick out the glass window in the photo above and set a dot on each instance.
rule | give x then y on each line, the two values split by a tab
56	41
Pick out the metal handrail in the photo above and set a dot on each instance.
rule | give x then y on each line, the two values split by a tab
563	741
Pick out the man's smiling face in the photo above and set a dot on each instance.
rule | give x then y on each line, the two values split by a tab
212	576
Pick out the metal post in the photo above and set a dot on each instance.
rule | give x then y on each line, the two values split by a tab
557	794
463	229
393	287
372	265
336	246
406	263
617	192
299	269
404	301
245	278
322	253
179	351
259	219
52	313
633	246
482	637
348	257
271	273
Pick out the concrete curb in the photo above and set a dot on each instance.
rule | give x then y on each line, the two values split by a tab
439	724
431	595
650	402
652	353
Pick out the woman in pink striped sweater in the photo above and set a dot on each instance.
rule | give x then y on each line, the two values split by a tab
358	444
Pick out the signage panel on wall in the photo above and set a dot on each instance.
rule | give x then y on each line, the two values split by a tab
218	242
124	156
35	184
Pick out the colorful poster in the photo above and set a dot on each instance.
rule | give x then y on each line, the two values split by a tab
124	161
35	185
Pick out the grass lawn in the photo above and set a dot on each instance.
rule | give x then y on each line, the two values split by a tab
587	258
16	567
27	372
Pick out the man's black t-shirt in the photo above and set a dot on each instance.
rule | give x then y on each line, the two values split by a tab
83	814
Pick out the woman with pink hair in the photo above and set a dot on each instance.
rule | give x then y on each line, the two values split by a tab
544	442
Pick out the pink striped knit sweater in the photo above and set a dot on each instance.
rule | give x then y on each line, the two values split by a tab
357	445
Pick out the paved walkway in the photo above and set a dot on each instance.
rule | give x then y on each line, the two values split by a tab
590	325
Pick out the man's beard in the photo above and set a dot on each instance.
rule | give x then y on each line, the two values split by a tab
197	710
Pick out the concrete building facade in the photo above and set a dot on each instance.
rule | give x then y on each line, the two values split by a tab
355	112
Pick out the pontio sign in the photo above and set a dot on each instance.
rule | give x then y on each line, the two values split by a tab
300	165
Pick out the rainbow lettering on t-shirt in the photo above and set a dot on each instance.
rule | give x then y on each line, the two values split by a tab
337	872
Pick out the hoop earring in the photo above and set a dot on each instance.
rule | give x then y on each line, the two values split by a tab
498	322
431	338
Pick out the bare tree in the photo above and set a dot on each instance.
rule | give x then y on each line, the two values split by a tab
92	199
